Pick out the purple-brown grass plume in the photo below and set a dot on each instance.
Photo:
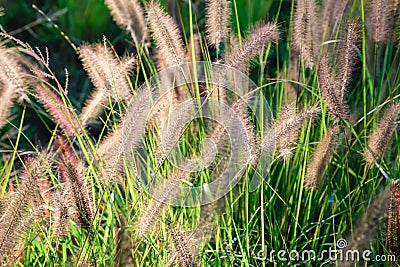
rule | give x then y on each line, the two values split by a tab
108	73
58	109
348	56
17	212
382	20
282	133
129	15
331	92
259	37
72	177
218	15
321	157
380	138
12	83
304	32
166	34
393	226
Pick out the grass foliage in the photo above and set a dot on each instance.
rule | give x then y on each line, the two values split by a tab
69	195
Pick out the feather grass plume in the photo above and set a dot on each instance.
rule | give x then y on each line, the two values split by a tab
62	212
171	49
58	109
328	20
153	210
382	19
219	136
285	146
12	83
393	227
148	220
166	34
331	92
333	11
183	246
135	120
129	15
18	212
380	138
320	159
304	32
286	128
366	227
107	154
259	37
348	56
109	76
218	15
241	109
72	176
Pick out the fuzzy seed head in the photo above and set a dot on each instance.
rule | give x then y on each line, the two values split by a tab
128	14
320	159
382	20
218	14
12	82
59	110
72	175
393	227
18	212
166	34
285	131
331	92
259	37
379	140
348	56
305	37
109	75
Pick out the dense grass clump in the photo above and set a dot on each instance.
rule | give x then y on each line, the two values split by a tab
105	184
